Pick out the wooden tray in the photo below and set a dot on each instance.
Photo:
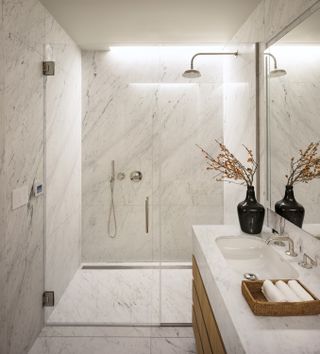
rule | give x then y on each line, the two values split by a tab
260	306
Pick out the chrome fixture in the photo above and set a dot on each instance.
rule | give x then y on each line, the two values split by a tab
193	73
290	252
250	276
48	299
275	232
121	176
136	176
275	72
307	262
146	209
112	213
48	68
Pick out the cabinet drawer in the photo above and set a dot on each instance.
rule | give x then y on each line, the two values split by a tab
212	329
196	332
200	323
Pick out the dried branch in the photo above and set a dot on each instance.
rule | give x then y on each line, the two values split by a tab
306	167
231	169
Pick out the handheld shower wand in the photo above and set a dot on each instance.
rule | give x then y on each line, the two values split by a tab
112	214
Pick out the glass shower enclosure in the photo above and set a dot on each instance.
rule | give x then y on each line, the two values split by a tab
143	184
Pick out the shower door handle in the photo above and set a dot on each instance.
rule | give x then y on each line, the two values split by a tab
146	209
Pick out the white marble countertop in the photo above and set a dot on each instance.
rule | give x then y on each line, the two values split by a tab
241	330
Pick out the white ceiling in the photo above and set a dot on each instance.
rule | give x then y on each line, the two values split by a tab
97	24
307	32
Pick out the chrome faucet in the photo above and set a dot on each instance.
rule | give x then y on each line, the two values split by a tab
290	251
308	262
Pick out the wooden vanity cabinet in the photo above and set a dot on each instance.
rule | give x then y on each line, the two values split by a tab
206	331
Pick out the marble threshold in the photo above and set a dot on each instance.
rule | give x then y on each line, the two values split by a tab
115	340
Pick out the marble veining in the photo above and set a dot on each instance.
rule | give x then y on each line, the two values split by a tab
123	296
22	37
268	19
63	159
294	121
260	334
117	340
23	163
239	122
148	119
23	160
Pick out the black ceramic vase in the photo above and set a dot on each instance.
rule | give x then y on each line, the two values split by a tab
251	213
289	208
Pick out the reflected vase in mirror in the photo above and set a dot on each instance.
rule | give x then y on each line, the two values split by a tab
251	213
289	208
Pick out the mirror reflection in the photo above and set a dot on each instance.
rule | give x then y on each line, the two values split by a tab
293	111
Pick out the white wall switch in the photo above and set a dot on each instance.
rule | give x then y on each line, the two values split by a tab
20	197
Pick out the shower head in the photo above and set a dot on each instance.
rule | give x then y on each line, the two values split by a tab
193	73
275	72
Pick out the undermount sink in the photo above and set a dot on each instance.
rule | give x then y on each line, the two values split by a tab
250	254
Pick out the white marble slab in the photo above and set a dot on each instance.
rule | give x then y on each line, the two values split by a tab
93	345
139	343
22	161
148	119
260	334
173	346
126	296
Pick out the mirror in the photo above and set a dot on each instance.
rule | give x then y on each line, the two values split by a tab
292	69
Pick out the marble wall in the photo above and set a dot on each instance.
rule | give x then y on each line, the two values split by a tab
25	25
23	163
239	118
2	198
140	112
294	120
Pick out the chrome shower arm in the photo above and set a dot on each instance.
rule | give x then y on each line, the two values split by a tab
212	53
274	59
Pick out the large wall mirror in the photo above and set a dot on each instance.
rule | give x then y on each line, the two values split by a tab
293	113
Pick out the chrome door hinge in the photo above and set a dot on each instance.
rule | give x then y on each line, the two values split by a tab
48	68
48	299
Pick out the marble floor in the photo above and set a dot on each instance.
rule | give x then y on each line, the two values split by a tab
126	296
115	340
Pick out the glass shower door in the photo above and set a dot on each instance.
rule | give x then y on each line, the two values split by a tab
109	268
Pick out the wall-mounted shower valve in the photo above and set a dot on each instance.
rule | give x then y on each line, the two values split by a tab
136	176
121	176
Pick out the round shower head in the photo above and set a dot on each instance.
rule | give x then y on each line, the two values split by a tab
191	74
277	73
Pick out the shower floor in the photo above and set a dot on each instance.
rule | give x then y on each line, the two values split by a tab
104	294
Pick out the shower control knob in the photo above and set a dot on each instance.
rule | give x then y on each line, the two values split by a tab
121	176
136	176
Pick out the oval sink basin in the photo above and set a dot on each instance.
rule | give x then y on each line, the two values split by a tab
250	254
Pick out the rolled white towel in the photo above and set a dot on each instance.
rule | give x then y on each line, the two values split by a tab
272	293
290	295
299	290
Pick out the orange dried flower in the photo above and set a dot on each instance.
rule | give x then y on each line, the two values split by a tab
306	167
230	168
